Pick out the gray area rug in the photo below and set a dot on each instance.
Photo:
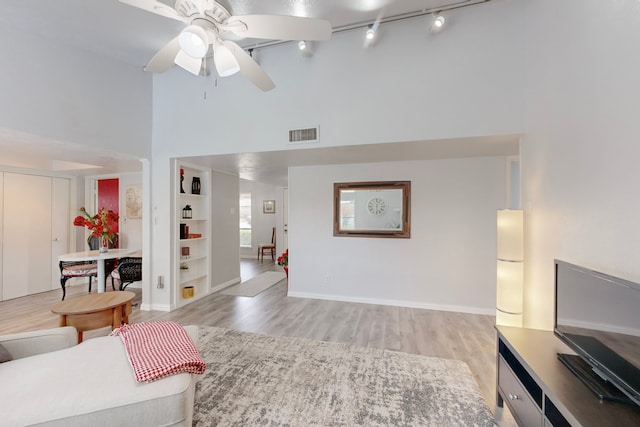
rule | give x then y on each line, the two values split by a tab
254	286
258	380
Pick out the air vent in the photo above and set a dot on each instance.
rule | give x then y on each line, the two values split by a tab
297	136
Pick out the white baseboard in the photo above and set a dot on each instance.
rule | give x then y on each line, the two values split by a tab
255	258
396	303
225	285
155	307
165	307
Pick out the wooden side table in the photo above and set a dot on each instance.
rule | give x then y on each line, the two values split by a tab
95	311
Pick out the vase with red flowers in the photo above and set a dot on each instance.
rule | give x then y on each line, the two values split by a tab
283	260
103	225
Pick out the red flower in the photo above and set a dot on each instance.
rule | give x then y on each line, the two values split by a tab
284	258
101	224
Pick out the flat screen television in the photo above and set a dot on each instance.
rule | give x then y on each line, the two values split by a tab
598	317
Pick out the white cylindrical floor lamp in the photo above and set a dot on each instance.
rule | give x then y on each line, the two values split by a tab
510	267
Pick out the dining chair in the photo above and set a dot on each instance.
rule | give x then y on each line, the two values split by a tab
268	246
70	269
129	270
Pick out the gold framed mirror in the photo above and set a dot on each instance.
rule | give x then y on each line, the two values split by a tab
372	209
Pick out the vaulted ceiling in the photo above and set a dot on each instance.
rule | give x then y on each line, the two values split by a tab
127	34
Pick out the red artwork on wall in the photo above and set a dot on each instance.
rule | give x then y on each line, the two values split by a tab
109	195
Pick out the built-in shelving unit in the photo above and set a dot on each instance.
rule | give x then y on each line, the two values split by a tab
191	235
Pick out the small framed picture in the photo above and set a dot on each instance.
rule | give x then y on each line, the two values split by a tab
268	206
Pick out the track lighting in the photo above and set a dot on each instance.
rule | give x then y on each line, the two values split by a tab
438	22
194	41
370	34
305	48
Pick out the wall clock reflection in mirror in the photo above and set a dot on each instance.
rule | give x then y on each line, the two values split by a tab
372	209
376	206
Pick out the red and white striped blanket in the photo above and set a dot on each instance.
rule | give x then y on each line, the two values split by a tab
158	349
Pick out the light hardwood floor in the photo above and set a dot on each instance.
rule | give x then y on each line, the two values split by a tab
467	337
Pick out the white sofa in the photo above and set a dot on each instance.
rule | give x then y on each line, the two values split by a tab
53	380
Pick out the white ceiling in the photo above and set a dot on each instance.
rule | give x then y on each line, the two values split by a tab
127	34
132	35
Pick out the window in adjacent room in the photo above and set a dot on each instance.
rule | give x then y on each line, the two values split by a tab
245	220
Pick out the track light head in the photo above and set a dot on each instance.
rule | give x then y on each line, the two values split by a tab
438	23
305	48
370	34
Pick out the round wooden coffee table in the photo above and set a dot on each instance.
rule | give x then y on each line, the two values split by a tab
95	311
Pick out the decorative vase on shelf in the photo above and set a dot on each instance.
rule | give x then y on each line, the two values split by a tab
195	185
286	270
181	180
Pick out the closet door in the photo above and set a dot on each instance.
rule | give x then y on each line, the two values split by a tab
60	225
26	249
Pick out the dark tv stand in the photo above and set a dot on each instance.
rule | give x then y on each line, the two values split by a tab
598	385
540	391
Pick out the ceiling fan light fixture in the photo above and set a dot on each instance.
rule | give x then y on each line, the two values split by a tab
226	64
194	41
189	63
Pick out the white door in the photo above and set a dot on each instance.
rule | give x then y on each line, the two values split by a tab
26	249
60	225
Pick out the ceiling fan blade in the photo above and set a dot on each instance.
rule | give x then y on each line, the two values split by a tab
156	7
249	68
275	27
164	59
189	63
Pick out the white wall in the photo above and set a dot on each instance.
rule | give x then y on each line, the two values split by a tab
580	156
449	261
413	85
261	223
73	96
225	238
467	81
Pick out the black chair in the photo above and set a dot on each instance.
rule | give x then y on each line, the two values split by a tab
69	269
129	270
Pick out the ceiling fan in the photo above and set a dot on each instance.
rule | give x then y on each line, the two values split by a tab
210	24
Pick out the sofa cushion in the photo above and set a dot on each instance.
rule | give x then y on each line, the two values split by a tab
4	354
25	344
90	384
